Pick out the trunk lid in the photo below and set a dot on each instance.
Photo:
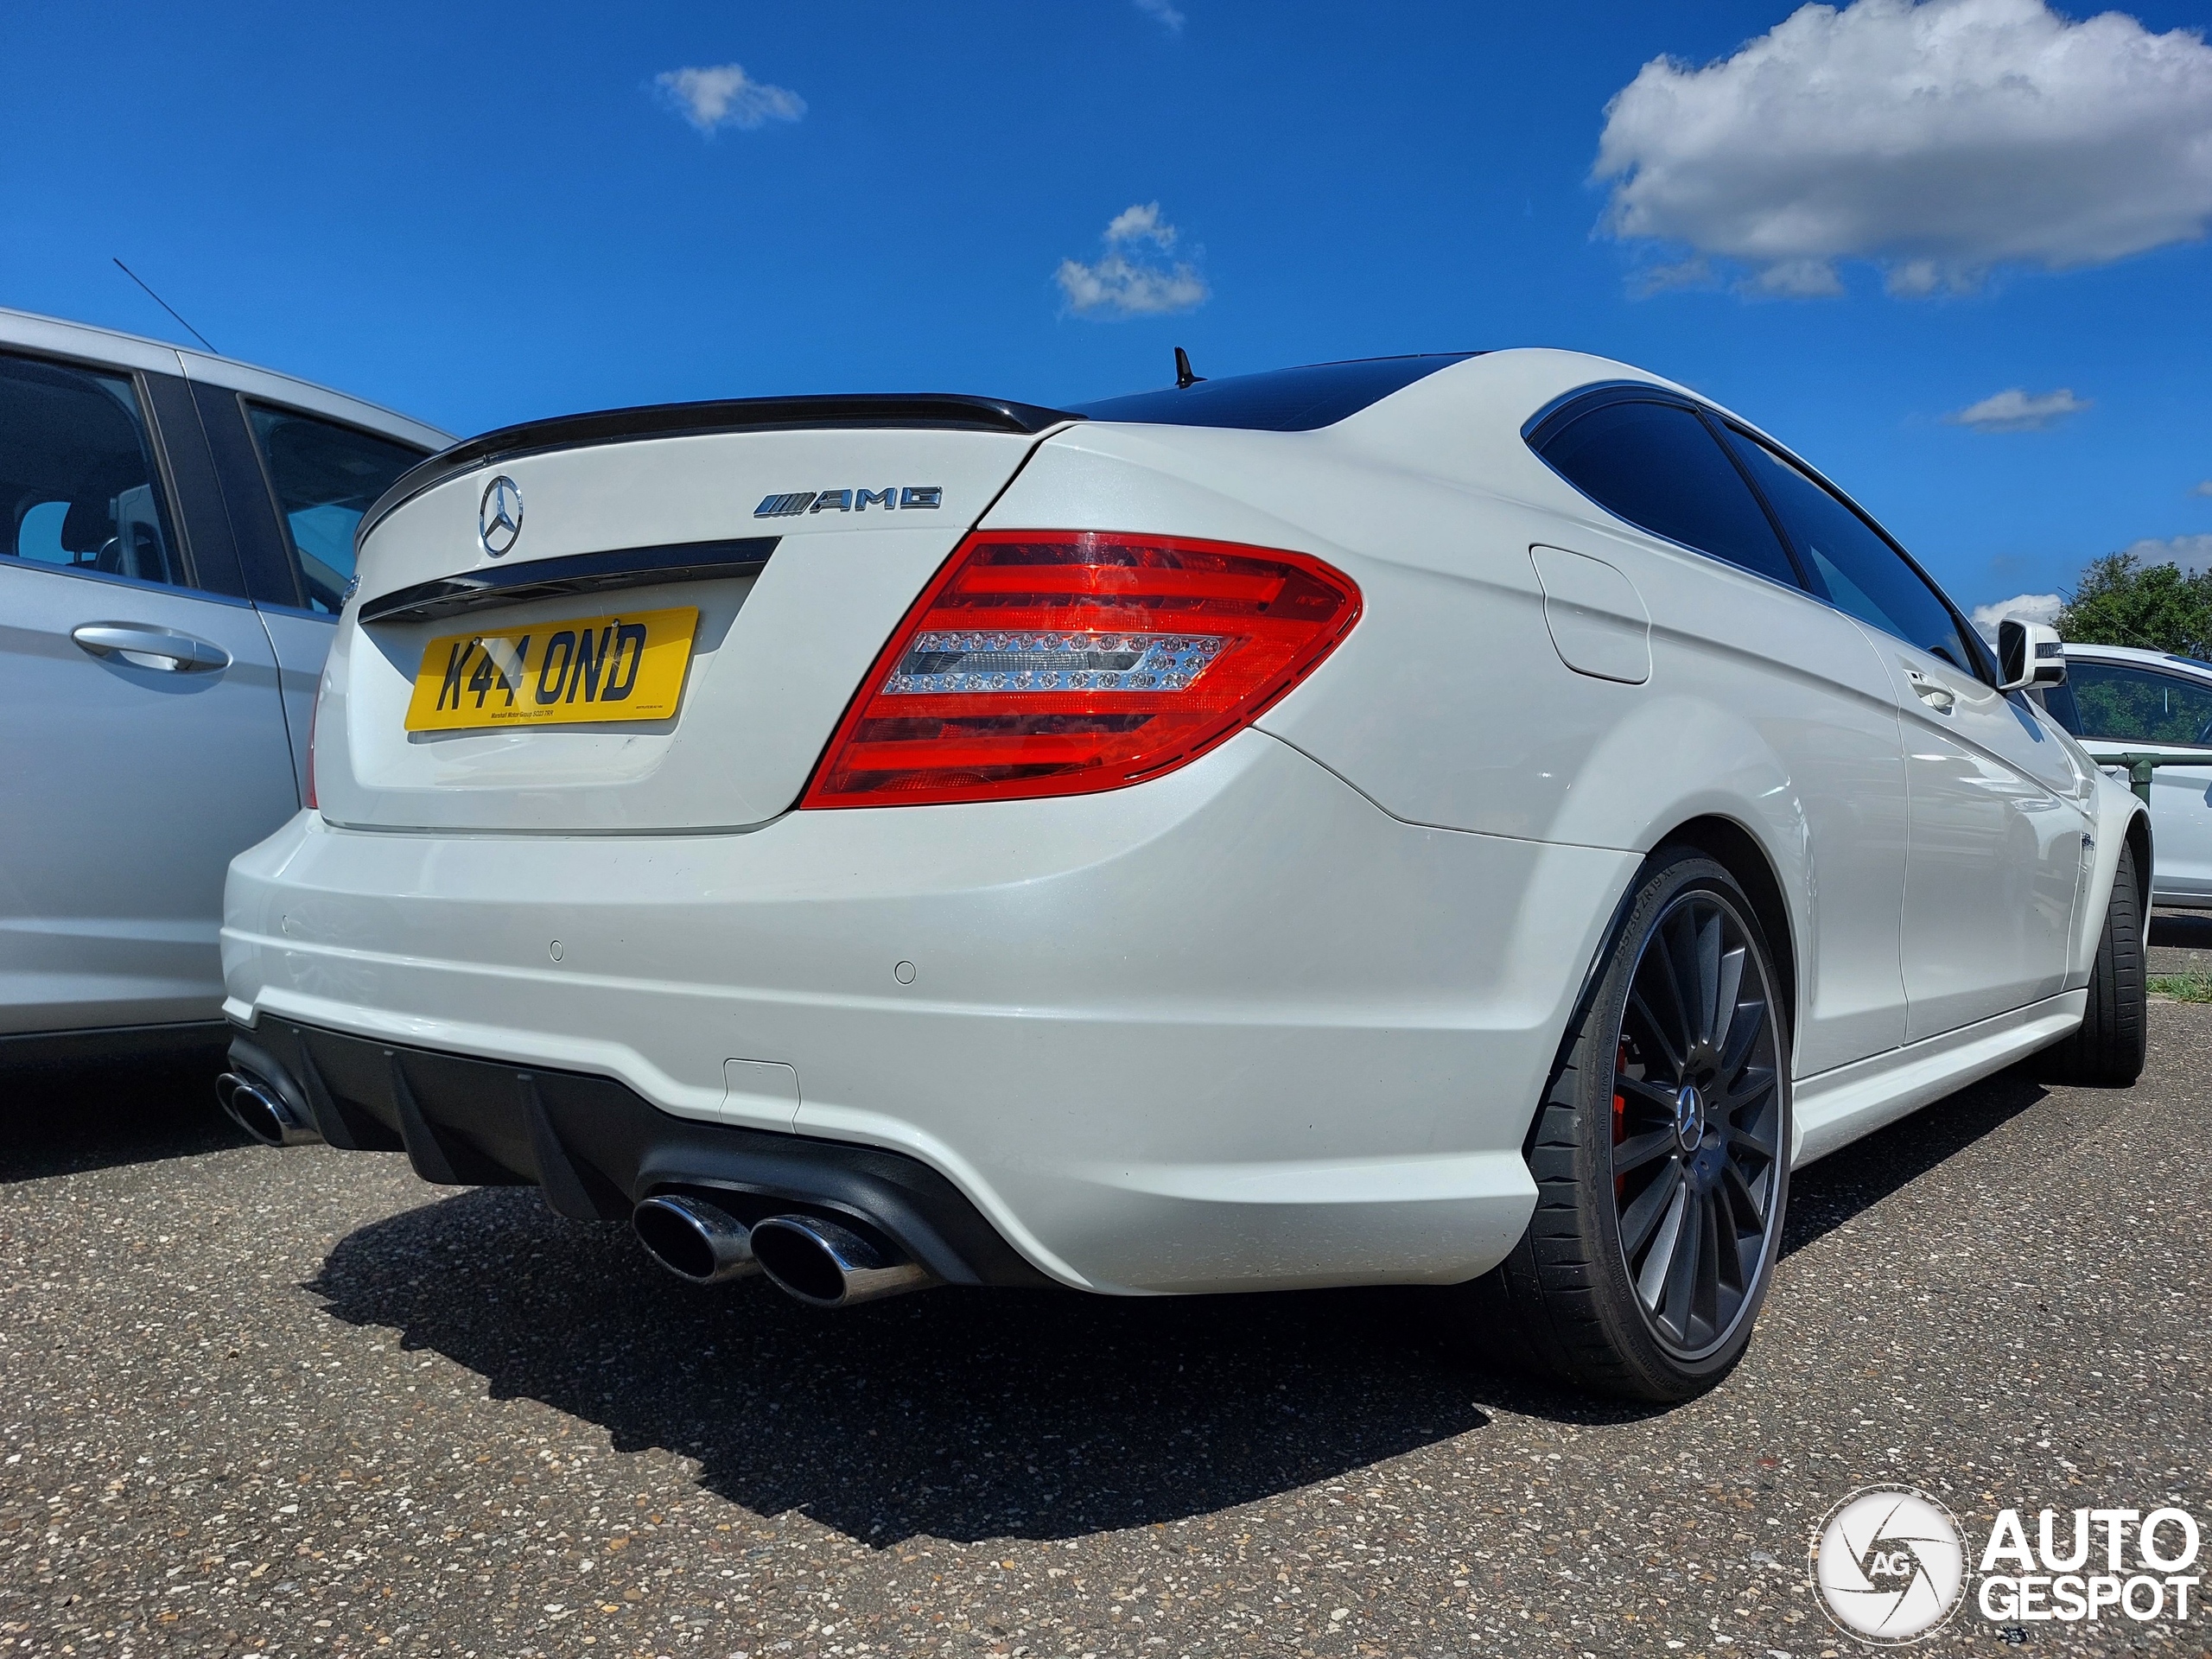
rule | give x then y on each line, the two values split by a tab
783	540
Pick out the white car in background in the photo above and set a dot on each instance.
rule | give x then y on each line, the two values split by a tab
178	542
1429	820
2117	699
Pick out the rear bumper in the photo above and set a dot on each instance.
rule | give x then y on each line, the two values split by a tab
1235	1028
594	1149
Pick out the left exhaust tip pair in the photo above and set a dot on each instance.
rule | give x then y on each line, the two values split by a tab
810	1259
259	1109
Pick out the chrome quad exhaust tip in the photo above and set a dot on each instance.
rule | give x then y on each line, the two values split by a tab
828	1265
257	1108
693	1239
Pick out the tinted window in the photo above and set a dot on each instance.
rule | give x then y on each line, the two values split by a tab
2059	699
1655	465
326	476
1862	573
2139	705
1283	400
77	475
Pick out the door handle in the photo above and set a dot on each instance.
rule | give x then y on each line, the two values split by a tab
1933	693
173	654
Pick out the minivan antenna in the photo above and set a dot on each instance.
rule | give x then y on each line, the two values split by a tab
165	305
1184	378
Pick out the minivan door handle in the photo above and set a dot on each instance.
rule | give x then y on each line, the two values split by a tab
1936	695
173	654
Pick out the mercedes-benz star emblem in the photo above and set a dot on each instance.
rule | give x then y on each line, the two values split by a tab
498	518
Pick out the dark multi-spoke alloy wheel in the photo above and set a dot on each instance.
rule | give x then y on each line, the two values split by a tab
1660	1154
1697	1114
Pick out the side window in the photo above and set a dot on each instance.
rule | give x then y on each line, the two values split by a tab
77	475
1862	573
2139	705
1658	466
2059	700
325	477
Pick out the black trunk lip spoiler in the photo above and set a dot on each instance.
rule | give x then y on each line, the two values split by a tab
571	574
940	411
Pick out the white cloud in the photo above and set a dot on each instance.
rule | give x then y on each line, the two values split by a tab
1139	222
1170	19
2205	488
1115	288
2192	553
2014	410
2029	607
1685	273
724	96
1132	280
1796	279
1937	139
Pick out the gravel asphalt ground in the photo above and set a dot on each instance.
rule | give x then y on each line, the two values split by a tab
298	1403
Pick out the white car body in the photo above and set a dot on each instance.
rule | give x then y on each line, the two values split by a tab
1278	1017
135	775
2180	796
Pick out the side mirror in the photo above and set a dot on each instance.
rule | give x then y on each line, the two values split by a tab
2028	656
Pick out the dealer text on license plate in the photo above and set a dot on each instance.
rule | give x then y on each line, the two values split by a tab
560	673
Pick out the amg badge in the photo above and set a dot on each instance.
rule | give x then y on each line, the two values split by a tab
811	501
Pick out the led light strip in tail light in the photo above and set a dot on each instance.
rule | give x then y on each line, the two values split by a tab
1063	662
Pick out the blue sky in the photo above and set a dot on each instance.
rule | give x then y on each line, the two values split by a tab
480	214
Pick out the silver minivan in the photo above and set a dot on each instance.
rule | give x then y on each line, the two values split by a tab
178	540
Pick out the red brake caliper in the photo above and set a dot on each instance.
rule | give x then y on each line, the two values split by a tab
1620	1113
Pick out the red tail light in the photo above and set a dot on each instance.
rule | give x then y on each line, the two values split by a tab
1061	662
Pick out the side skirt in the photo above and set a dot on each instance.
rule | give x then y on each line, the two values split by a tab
1836	1108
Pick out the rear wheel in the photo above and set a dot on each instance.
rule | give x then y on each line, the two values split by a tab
1660	1154
2109	1047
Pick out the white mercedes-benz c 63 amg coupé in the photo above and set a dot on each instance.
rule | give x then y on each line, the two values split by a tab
1462	820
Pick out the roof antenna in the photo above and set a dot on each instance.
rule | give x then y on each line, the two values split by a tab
166	307
1184	378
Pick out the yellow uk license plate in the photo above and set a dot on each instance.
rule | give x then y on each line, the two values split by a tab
583	670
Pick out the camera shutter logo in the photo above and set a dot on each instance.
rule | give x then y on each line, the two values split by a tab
499	516
1889	1565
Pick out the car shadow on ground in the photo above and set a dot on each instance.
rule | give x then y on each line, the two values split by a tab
2181	930
62	1120
971	1414
959	1413
1848	1183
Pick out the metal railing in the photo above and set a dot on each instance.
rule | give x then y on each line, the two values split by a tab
2142	763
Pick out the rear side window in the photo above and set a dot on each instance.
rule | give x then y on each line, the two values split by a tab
325	477
77	475
1657	465
2139	705
1862	575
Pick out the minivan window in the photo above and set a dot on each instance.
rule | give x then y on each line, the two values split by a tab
1862	573
325	477
2138	705
77	475
1657	465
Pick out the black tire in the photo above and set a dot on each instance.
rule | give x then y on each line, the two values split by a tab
1627	1168
2108	1049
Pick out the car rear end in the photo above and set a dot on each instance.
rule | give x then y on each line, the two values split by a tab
850	814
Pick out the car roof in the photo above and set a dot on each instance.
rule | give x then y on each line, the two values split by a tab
2166	659
27	331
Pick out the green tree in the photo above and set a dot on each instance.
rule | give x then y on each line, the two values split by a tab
2122	602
